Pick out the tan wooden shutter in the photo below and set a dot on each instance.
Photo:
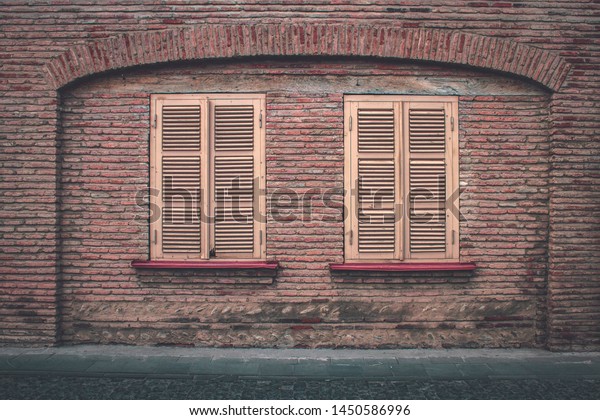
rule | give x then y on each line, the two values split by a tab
429	144
238	173
176	148
373	180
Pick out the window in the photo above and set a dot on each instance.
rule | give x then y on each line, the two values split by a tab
401	178
206	175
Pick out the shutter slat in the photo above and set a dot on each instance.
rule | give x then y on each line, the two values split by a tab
376	234
427	181
180	127
181	199
234	127
376	181
374	157
427	130
376	130
233	171
180	165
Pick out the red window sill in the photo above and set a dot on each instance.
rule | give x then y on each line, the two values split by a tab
240	265
442	266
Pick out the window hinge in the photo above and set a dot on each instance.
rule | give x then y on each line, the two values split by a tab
260	119
350	123
351	236
154	120
155	236
451	123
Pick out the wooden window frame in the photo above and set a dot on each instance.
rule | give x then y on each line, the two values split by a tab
400	105
207	203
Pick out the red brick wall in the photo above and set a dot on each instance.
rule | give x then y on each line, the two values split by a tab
31	36
105	126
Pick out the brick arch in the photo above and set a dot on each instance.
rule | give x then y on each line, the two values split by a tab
226	41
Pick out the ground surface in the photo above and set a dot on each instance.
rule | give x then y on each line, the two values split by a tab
117	372
218	388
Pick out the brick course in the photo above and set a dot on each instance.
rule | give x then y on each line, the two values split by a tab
529	164
104	147
227	41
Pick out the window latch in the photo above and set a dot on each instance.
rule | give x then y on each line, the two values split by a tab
154	120
212	253
260	119
155	236
350	123
351	236
451	123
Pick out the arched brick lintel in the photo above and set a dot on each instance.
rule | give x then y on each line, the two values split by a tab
226	41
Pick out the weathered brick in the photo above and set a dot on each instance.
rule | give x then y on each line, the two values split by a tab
529	162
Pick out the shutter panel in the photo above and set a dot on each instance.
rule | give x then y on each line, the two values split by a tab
427	138
236	169
375	181
176	176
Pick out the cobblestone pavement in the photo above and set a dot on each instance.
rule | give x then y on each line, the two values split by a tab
218	388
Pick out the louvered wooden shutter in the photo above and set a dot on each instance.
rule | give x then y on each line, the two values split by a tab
237	175
176	164
428	141
373	179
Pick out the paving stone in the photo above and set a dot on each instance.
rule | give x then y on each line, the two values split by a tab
166	365
229	367
507	369
5	362
122	366
409	370
344	370
378	368
276	367
311	368
444	360
443	371
475	370
62	363
564	369
29	362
